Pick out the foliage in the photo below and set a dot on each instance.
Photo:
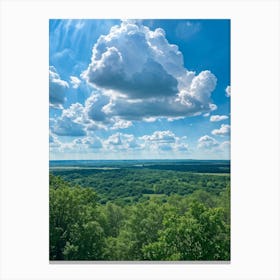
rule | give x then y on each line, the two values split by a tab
139	215
129	185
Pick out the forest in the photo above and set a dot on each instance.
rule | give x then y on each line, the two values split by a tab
159	212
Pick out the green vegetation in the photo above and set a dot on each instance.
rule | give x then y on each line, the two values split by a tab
139	214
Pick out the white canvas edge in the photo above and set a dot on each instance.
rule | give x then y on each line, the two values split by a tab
255	138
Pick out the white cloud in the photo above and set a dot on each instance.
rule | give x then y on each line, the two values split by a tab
57	89
75	81
120	141
210	146
159	141
147	109
218	118
94	108
223	130
207	142
161	137
121	124
150	119
71	122
79	120
142	76
78	145
164	141
225	145
67	127
228	91
181	147
201	87
213	107
96	111
53	141
87	143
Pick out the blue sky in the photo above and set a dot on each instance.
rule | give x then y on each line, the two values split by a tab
139	89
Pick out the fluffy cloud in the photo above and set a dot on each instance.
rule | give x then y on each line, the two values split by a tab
66	127
158	142
75	81
71	122
223	130
225	145
218	118
121	124
78	145
207	142
161	137
120	141
79	120
164	141
213	107
53	141
94	108
57	89
161	141
142	76
209	146
96	112
228	91
87	143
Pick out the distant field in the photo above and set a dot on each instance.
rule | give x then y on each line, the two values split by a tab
119	180
140	210
201	166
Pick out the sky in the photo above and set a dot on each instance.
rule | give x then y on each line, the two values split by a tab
139	89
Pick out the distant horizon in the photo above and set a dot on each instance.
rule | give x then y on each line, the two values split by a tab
138	159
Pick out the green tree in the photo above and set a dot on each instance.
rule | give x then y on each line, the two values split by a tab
74	231
199	234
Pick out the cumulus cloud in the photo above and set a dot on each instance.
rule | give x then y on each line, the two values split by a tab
225	145
209	146
79	120
120	141
223	130
121	124
57	89
71	122
228	91
96	112
142	76
67	127
164	141
160	141
94	107
213	107
207	142
87	143
53	141
78	145
218	118
75	81
161	137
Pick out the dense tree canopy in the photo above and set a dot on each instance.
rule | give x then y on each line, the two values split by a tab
191	223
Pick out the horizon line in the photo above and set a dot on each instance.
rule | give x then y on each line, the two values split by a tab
134	159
